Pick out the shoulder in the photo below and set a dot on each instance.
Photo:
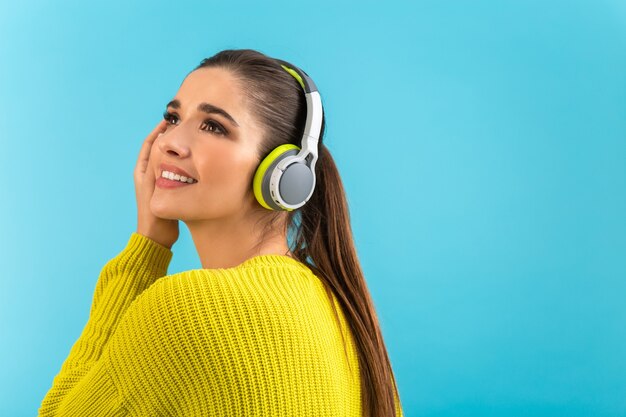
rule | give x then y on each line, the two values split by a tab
263	284
266	299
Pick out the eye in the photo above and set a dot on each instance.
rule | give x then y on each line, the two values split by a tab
168	116
216	127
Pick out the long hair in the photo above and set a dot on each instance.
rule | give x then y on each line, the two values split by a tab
321	230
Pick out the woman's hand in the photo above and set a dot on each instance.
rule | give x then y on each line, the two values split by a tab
162	231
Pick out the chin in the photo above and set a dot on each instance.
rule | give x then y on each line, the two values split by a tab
165	211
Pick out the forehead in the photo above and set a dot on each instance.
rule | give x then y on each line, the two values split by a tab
212	85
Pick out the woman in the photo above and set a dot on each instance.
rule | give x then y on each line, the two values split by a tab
263	328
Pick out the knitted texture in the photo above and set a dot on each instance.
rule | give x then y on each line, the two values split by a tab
258	339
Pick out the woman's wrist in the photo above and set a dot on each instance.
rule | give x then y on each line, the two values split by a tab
154	237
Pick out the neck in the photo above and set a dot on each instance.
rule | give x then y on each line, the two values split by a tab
226	243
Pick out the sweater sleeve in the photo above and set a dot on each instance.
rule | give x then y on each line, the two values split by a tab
121	280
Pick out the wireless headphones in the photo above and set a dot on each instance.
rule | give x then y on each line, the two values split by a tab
285	179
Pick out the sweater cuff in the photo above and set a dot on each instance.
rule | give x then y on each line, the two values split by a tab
149	251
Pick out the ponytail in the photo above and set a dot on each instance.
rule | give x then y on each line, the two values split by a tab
324	242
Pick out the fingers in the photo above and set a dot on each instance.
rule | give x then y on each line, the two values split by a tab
144	152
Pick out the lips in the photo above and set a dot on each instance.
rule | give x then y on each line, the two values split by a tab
175	170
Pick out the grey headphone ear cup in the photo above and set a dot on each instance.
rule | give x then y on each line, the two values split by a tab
296	183
265	182
294	186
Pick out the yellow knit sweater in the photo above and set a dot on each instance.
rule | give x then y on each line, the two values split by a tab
258	339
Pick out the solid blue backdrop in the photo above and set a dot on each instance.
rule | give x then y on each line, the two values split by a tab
482	146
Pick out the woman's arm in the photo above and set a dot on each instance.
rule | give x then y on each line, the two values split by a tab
121	280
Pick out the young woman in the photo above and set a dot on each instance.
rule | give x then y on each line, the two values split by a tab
265	328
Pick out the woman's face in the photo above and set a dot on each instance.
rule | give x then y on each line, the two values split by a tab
221	154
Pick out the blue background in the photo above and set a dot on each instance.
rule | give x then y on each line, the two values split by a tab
482	145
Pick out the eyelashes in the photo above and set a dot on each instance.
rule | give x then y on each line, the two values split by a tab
218	129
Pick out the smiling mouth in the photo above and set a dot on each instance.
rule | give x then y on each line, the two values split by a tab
176	177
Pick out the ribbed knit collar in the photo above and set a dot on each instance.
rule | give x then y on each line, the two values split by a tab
270	259
256	262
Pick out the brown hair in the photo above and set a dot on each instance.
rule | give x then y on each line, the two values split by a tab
321	228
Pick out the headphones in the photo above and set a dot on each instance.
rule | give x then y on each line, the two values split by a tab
285	179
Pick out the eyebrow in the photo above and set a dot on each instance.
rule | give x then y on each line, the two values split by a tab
206	108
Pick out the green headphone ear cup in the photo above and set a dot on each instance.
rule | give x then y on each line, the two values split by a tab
260	183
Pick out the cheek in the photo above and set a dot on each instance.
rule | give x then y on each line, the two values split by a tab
229	174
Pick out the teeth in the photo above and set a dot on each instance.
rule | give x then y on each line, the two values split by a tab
175	177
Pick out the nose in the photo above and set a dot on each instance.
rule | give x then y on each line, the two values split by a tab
173	143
